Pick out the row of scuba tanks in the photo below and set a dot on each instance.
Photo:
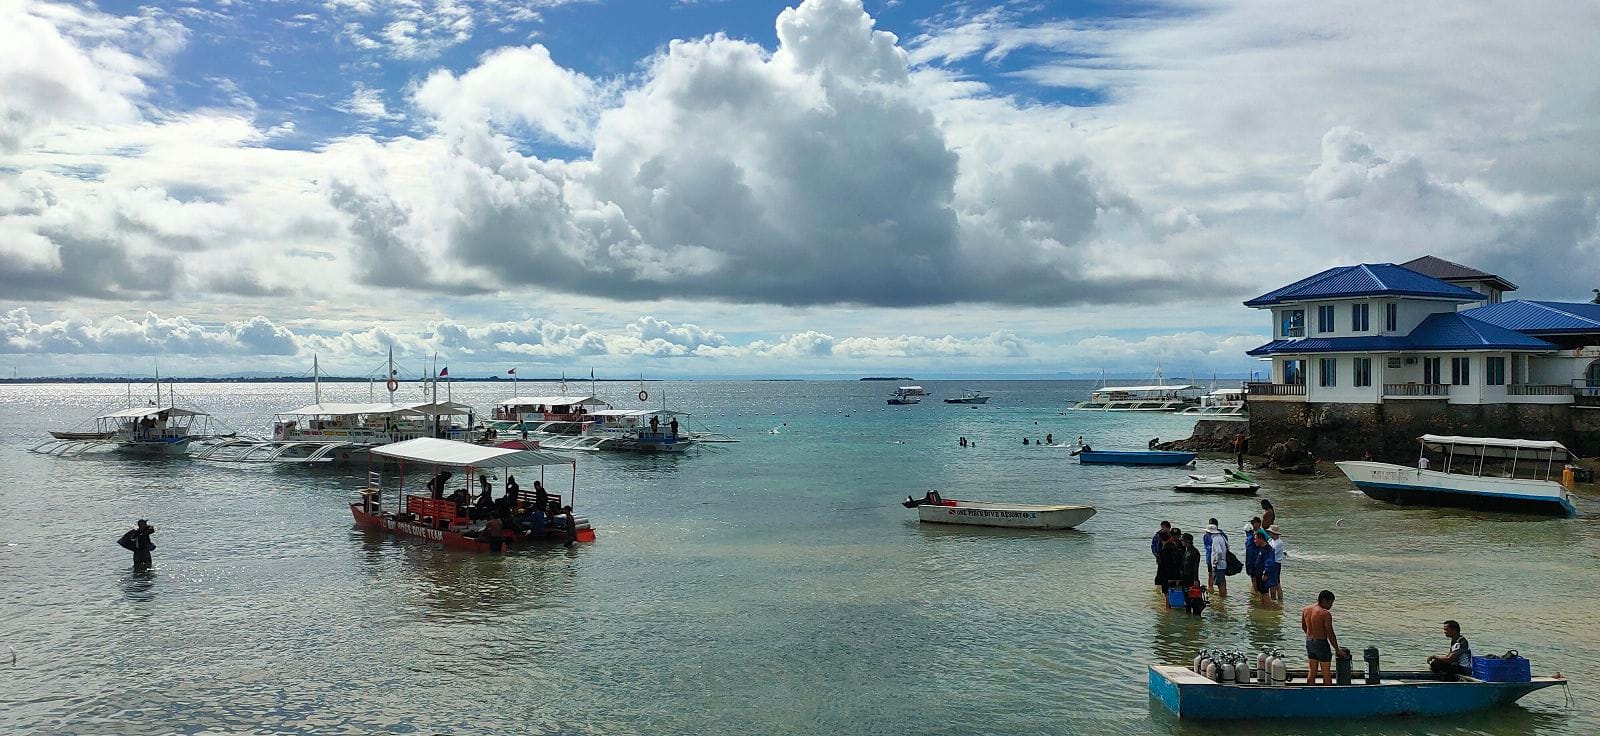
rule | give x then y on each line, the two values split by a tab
1235	667
1269	668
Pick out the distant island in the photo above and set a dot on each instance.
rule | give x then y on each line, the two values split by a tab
298	379
887	378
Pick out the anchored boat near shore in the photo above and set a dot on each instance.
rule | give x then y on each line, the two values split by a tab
1476	472
1191	695
935	510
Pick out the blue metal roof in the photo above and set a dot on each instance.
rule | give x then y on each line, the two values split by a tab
1367	279
1445	331
1540	318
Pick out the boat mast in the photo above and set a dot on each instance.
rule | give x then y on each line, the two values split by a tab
390	377
435	411
316	381
158	384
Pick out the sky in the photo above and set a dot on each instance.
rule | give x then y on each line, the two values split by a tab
707	188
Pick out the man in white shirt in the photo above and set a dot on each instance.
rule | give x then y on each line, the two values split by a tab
1216	558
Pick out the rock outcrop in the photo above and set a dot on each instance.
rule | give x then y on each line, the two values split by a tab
1209	435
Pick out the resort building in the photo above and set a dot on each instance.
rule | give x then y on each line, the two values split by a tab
1426	331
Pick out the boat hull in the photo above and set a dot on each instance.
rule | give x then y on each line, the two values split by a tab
1237	489
983	400
1010	516
1190	695
1136	457
1403	485
451	539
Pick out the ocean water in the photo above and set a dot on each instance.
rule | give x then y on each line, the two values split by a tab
773	586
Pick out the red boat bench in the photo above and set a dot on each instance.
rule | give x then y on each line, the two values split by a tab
439	513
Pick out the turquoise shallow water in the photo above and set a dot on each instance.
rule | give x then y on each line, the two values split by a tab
772	586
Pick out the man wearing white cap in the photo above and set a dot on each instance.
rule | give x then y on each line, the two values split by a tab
1275	557
1216	558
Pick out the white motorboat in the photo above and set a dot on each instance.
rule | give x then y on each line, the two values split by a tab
138	430
1476	472
905	395
1156	397
932	509
1231	481
969	397
1224	403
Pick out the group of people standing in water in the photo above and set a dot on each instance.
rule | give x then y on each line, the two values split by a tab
1179	561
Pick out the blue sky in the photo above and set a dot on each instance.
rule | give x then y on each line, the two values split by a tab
825	188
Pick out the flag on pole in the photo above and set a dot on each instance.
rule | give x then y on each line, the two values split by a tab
511	372
445	371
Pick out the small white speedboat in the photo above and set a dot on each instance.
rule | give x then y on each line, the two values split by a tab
1231	481
996	513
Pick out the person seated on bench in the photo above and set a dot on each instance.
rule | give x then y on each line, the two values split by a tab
513	491
461	498
483	508
1459	660
436	486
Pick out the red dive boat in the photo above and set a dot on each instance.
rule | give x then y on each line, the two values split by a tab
441	520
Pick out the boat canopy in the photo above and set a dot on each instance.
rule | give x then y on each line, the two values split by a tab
345	410
1141	389
1492	443
1227	392
455	454
553	401
139	412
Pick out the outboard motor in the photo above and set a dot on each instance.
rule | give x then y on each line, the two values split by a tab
1371	655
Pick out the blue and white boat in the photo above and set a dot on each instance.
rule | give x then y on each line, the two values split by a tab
1191	695
1134	457
1475	472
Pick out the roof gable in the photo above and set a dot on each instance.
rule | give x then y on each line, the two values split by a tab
1367	279
1451	271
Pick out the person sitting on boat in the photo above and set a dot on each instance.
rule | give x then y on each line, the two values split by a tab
483	507
513	491
1316	620
1459	659
1153	442
541	498
674	425
483	482
461	498
534	522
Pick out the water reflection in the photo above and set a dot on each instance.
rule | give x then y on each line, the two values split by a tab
139	586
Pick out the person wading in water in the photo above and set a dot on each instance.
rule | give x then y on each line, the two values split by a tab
137	539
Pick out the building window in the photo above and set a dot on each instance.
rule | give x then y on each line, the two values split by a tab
1325	318
1460	371
1330	372
1391	317
1358	317
1430	370
1494	296
1294	323
1494	371
1294	372
1363	372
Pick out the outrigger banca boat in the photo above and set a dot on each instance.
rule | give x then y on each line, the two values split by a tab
970	397
1087	456
438	519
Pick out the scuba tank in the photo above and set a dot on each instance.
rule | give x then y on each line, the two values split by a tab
1280	669
1213	672
1226	672
1262	673
1198	659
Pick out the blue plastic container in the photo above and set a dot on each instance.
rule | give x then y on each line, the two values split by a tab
1175	597
1497	669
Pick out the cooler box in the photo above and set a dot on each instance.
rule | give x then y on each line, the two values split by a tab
1497	669
1174	597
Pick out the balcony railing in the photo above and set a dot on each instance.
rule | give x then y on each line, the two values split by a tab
1275	389
1439	390
1537	389
1585	387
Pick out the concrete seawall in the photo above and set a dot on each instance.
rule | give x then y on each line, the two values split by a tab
1389	431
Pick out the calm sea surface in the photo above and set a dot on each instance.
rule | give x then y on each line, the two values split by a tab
768	587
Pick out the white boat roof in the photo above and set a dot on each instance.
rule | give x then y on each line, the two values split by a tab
619	412
1132	389
422	408
139	412
552	401
1226	392
455	454
1445	439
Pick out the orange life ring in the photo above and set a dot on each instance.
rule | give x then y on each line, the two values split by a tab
393	385
644	395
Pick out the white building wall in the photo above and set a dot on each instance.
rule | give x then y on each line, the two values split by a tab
1345	390
1411	313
